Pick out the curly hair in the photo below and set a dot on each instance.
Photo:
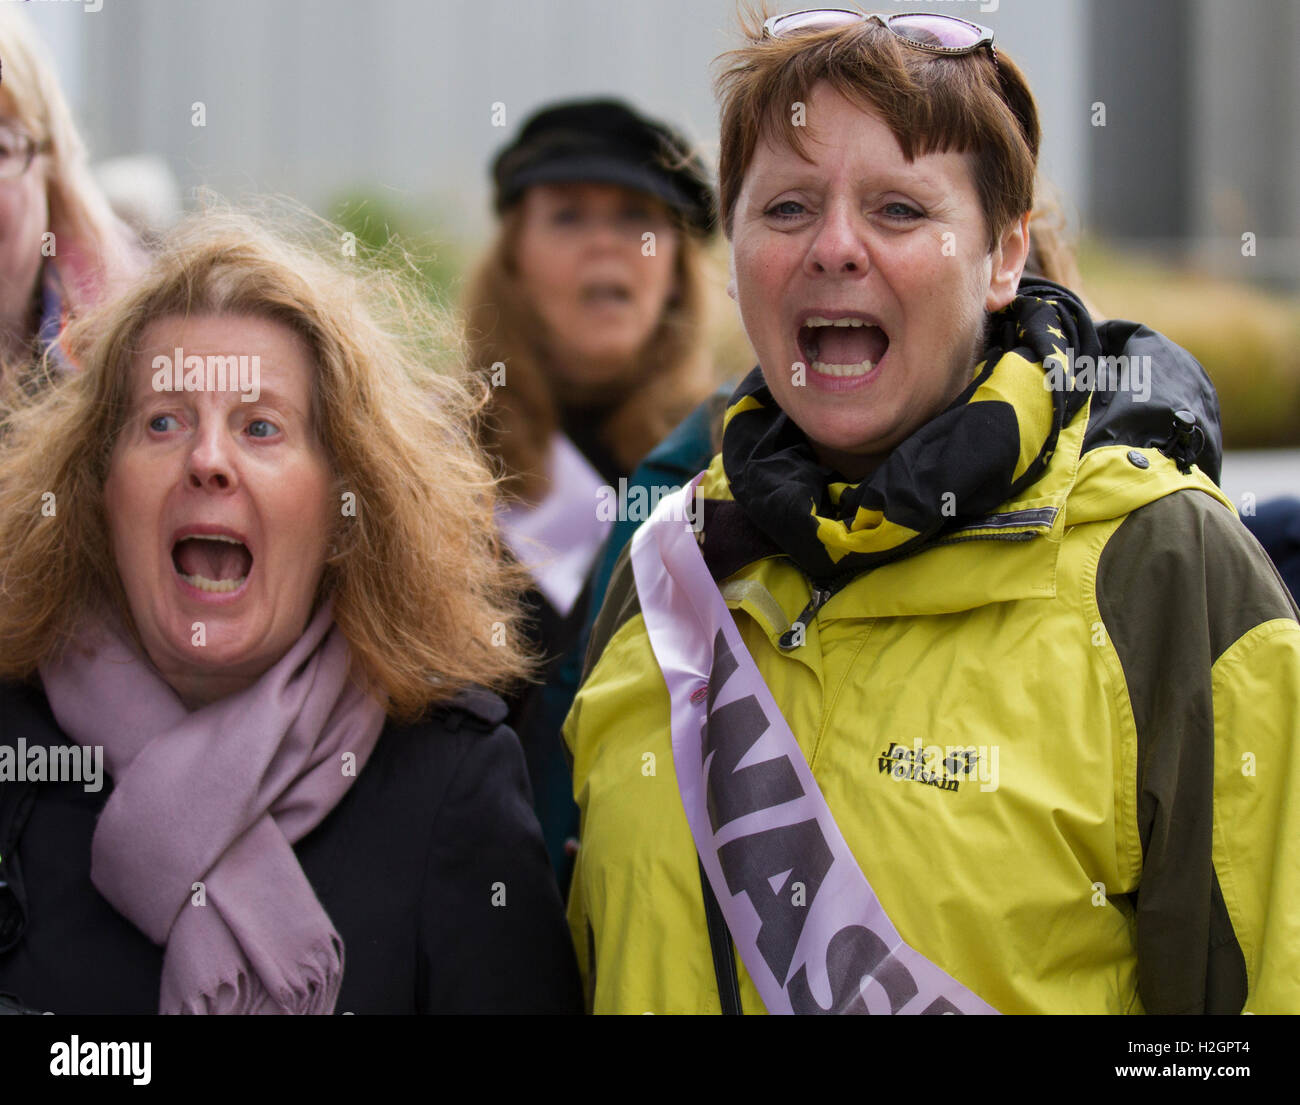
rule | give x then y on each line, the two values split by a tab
419	585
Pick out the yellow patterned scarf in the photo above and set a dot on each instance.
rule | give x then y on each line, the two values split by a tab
993	441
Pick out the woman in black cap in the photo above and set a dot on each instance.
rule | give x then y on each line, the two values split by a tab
586	316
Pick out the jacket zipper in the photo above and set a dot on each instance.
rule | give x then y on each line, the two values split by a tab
958	538
787	639
822	592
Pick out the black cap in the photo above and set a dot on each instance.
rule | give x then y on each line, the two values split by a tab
608	142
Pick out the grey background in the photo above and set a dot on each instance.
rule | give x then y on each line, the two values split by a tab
314	98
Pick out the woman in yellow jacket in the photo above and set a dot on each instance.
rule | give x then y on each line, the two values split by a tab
954	684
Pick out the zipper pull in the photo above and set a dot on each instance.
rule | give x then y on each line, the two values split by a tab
799	627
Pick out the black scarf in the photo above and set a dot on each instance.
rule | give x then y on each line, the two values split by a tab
991	443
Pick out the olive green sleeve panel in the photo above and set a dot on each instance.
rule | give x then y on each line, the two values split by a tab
1256	686
1179	582
1207	547
621	604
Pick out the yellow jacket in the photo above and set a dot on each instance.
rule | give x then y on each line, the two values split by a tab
1124	835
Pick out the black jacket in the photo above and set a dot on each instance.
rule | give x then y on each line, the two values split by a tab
438	824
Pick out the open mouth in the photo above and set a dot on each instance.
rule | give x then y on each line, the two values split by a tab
605	292
841	346
212	562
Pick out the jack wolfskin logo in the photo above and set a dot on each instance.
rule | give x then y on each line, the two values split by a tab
961	761
942	767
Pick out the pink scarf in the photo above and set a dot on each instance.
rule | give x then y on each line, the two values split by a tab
217	797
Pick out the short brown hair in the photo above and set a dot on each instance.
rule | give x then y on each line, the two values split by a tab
931	104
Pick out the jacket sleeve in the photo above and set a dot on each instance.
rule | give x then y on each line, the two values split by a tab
492	938
1209	642
621	604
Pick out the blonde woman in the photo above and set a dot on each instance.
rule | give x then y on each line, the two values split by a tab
61	247
586	316
247	556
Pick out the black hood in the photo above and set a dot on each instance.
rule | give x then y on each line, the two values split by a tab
1178	383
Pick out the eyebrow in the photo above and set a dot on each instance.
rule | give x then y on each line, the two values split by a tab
802	176
268	393
272	396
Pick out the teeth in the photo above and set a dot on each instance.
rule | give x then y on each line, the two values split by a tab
218	586
213	537
859	369
817	320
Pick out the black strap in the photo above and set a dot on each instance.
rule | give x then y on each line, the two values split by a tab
724	954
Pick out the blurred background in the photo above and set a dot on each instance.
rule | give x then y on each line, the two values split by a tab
1171	131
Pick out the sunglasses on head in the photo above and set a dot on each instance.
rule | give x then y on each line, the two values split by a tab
938	34
935	34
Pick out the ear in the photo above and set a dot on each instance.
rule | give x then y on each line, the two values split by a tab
1009	257
731	273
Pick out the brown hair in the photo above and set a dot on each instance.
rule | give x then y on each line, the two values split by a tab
420	589
502	327
931	103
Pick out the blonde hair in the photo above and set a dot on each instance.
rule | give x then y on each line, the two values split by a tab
419	586
95	251
502	327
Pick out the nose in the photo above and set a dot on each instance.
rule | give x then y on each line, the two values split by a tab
839	247
605	233
211	462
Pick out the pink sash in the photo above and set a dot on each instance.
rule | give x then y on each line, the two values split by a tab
810	930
